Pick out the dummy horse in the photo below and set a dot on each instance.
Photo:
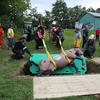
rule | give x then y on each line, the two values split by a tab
46	67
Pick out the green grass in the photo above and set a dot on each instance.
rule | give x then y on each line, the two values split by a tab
22	88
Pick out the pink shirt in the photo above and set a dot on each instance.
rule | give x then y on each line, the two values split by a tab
39	34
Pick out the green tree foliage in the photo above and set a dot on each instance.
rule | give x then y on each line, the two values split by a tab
91	9
59	12
5	20
75	13
98	10
47	19
15	9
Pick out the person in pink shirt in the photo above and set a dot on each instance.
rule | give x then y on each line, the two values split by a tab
97	34
38	37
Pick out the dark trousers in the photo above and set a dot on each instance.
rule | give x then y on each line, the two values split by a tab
37	44
17	54
83	44
59	43
89	52
28	37
97	37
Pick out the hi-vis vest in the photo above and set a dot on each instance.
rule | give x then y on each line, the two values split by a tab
12	33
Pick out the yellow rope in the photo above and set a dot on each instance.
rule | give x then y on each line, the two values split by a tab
64	52
48	54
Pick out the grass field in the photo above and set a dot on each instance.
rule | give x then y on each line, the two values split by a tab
21	88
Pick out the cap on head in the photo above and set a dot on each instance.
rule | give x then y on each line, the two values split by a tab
92	36
29	25
40	27
10	25
59	25
23	37
61	28
87	26
44	26
77	29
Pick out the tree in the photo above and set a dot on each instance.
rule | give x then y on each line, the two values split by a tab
59	12
98	10
75	13
91	9
47	20
15	9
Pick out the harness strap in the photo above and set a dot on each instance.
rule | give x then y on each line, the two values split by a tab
48	54
64	52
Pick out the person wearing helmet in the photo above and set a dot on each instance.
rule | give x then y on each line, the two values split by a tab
29	33
10	36
19	48
90	46
61	37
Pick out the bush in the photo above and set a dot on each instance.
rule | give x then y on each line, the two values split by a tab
5	21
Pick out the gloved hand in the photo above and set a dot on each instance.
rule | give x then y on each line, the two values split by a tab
31	55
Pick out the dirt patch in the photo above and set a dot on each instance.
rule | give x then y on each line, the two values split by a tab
92	67
19	72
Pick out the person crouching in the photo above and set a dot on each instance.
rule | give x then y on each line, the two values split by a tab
78	38
90	47
19	48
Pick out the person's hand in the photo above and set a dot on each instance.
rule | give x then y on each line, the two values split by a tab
84	35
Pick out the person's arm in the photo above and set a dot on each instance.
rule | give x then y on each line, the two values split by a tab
84	33
27	50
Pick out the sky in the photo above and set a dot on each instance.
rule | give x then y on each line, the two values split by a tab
43	5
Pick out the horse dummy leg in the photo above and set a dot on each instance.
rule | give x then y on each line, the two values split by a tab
83	65
75	67
40	73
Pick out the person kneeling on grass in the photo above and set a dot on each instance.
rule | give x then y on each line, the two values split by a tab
19	48
90	47
78	38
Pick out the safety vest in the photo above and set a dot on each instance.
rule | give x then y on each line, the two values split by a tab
11	32
90	44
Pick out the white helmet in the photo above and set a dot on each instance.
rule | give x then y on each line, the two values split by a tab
92	36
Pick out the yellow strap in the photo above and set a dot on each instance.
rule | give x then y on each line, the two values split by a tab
48	54
64	52
44	34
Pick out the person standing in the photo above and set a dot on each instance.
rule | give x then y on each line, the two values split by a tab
61	37
50	34
90	47
10	36
97	34
29	33
57	33
1	35
78	38
19	48
85	36
38	37
70	25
